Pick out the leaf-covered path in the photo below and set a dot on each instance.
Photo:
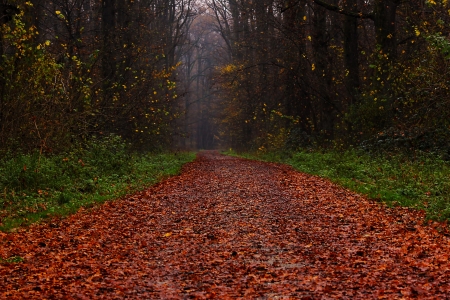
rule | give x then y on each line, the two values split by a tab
230	228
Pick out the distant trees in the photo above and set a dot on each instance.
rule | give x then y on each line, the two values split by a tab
202	53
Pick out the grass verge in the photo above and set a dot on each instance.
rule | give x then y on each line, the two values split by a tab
422	182
35	187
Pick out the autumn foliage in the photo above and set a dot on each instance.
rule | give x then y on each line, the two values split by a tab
231	228
70	70
336	72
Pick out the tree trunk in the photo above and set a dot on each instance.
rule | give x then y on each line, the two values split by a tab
323	72
236	28
351	51
6	14
385	26
108	29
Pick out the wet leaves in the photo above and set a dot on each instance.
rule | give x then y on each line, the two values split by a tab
231	228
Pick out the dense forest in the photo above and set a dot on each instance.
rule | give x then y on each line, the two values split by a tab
334	74
244	74
71	70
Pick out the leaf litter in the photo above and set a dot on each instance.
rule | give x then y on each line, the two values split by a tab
231	228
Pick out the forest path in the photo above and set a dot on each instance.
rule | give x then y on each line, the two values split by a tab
230	228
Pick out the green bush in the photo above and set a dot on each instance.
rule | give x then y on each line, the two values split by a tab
34	186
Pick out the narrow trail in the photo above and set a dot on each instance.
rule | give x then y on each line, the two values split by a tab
230	228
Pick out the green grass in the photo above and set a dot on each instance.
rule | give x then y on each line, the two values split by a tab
423	182
35	187
11	260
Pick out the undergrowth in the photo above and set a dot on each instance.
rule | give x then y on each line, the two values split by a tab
421	182
34	187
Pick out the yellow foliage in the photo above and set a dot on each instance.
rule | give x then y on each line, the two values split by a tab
416	30
228	69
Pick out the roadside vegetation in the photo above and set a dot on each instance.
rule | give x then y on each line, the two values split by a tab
83	120
35	186
421	182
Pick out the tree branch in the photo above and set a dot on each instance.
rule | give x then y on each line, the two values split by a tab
289	7
340	10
